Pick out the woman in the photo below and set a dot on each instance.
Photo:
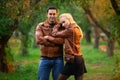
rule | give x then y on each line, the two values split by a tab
72	35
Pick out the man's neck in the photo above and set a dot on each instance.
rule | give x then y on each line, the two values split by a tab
52	24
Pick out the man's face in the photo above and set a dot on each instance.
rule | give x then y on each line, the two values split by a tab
52	15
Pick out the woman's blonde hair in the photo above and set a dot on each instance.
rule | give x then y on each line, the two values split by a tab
70	18
67	16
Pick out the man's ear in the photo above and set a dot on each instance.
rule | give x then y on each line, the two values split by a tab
57	13
46	14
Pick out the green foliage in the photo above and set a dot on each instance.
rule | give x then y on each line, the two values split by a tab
28	72
82	3
25	26
117	69
115	30
5	19
3	23
9	54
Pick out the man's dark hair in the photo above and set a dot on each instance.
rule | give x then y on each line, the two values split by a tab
52	7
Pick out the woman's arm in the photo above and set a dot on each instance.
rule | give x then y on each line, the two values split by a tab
64	33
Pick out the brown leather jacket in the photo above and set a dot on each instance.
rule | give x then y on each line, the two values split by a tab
52	48
72	36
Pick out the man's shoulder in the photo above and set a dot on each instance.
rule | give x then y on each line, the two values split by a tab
39	25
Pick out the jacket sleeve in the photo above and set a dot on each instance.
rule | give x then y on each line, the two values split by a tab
56	40
39	37
64	33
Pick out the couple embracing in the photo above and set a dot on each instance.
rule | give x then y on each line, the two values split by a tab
51	35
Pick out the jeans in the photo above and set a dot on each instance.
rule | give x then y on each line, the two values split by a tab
46	65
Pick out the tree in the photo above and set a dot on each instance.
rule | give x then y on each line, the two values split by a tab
10	14
116	19
99	22
8	24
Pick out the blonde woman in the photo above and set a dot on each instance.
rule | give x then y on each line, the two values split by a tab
72	34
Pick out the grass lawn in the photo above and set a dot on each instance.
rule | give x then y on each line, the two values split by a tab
99	65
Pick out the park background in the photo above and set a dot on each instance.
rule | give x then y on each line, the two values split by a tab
99	20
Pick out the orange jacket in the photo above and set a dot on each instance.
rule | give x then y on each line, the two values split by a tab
72	36
53	48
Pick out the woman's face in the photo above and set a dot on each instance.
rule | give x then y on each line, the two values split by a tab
65	22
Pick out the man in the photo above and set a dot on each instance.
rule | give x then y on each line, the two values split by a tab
51	50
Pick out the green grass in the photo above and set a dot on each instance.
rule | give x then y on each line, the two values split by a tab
28	72
99	65
25	67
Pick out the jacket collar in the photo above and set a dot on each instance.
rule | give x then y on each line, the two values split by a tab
47	24
71	25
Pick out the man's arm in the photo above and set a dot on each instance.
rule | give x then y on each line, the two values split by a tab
59	36
40	37
55	40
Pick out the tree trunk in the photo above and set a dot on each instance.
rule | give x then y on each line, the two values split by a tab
24	45
3	65
95	23
115	6
3	43
87	36
96	37
110	47
33	2
3	61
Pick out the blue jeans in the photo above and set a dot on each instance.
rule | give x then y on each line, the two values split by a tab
46	65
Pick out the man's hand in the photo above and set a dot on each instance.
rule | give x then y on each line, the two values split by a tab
46	37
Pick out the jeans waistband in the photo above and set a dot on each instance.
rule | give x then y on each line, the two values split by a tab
45	57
